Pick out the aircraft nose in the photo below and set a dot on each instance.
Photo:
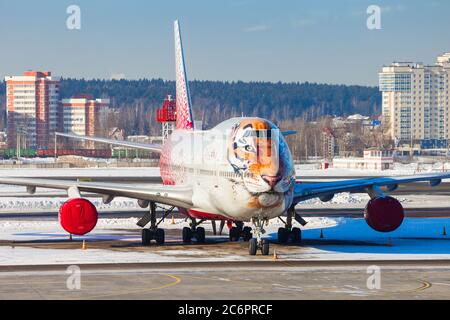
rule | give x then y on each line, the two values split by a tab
271	180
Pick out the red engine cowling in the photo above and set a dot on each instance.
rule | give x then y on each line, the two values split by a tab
78	216
384	214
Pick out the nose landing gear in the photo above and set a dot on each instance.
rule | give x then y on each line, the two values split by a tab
258	242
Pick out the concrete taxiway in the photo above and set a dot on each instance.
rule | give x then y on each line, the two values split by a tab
238	280
413	264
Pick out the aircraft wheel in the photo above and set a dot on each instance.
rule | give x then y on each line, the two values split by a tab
187	235
146	237
252	247
265	247
234	234
201	235
247	231
283	235
160	236
296	235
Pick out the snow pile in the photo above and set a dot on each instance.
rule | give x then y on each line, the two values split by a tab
346	198
321	222
398	170
53	204
126	172
343	239
46	225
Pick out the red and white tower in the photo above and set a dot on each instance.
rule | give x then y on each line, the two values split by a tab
167	116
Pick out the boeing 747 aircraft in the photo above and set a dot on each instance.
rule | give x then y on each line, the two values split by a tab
240	171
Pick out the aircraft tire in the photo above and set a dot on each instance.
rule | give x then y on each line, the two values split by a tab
234	234
247	231
146	237
296	235
187	235
265	247
252	247
283	235
160	236
201	235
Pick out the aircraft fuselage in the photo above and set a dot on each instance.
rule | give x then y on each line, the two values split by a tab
240	169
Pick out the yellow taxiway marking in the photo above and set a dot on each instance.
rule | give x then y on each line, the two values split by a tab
176	281
425	285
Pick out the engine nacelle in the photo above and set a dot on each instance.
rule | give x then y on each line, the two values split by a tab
78	216
384	214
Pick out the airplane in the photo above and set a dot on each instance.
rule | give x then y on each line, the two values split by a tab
237	172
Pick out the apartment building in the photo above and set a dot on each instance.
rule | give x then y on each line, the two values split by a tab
35	111
84	115
415	103
32	101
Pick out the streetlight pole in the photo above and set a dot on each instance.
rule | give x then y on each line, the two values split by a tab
56	148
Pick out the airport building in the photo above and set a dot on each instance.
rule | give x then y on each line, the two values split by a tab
32	106
415	104
373	159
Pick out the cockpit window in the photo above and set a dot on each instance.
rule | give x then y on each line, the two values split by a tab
258	133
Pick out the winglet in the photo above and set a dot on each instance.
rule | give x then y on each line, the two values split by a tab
185	118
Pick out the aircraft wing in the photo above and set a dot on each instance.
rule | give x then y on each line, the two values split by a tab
136	145
326	190
178	196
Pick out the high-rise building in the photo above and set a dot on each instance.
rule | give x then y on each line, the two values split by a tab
415	103
84	115
32	108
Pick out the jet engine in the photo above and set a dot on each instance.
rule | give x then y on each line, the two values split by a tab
78	216
384	214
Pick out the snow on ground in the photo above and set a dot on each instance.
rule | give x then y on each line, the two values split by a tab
341	198
344	239
34	230
50	204
398	170
340	201
359	200
110	230
301	170
353	239
9	202
416	239
82	172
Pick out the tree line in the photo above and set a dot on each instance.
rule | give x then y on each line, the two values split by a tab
136	101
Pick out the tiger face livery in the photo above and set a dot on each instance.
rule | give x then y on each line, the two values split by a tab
254	150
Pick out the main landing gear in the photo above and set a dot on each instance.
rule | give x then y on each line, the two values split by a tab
288	233
194	231
153	232
239	231
258	242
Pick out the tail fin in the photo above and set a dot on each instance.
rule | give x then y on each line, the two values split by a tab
185	118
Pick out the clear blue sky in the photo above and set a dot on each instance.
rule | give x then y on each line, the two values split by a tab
285	40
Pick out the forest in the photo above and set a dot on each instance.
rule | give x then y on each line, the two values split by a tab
135	101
